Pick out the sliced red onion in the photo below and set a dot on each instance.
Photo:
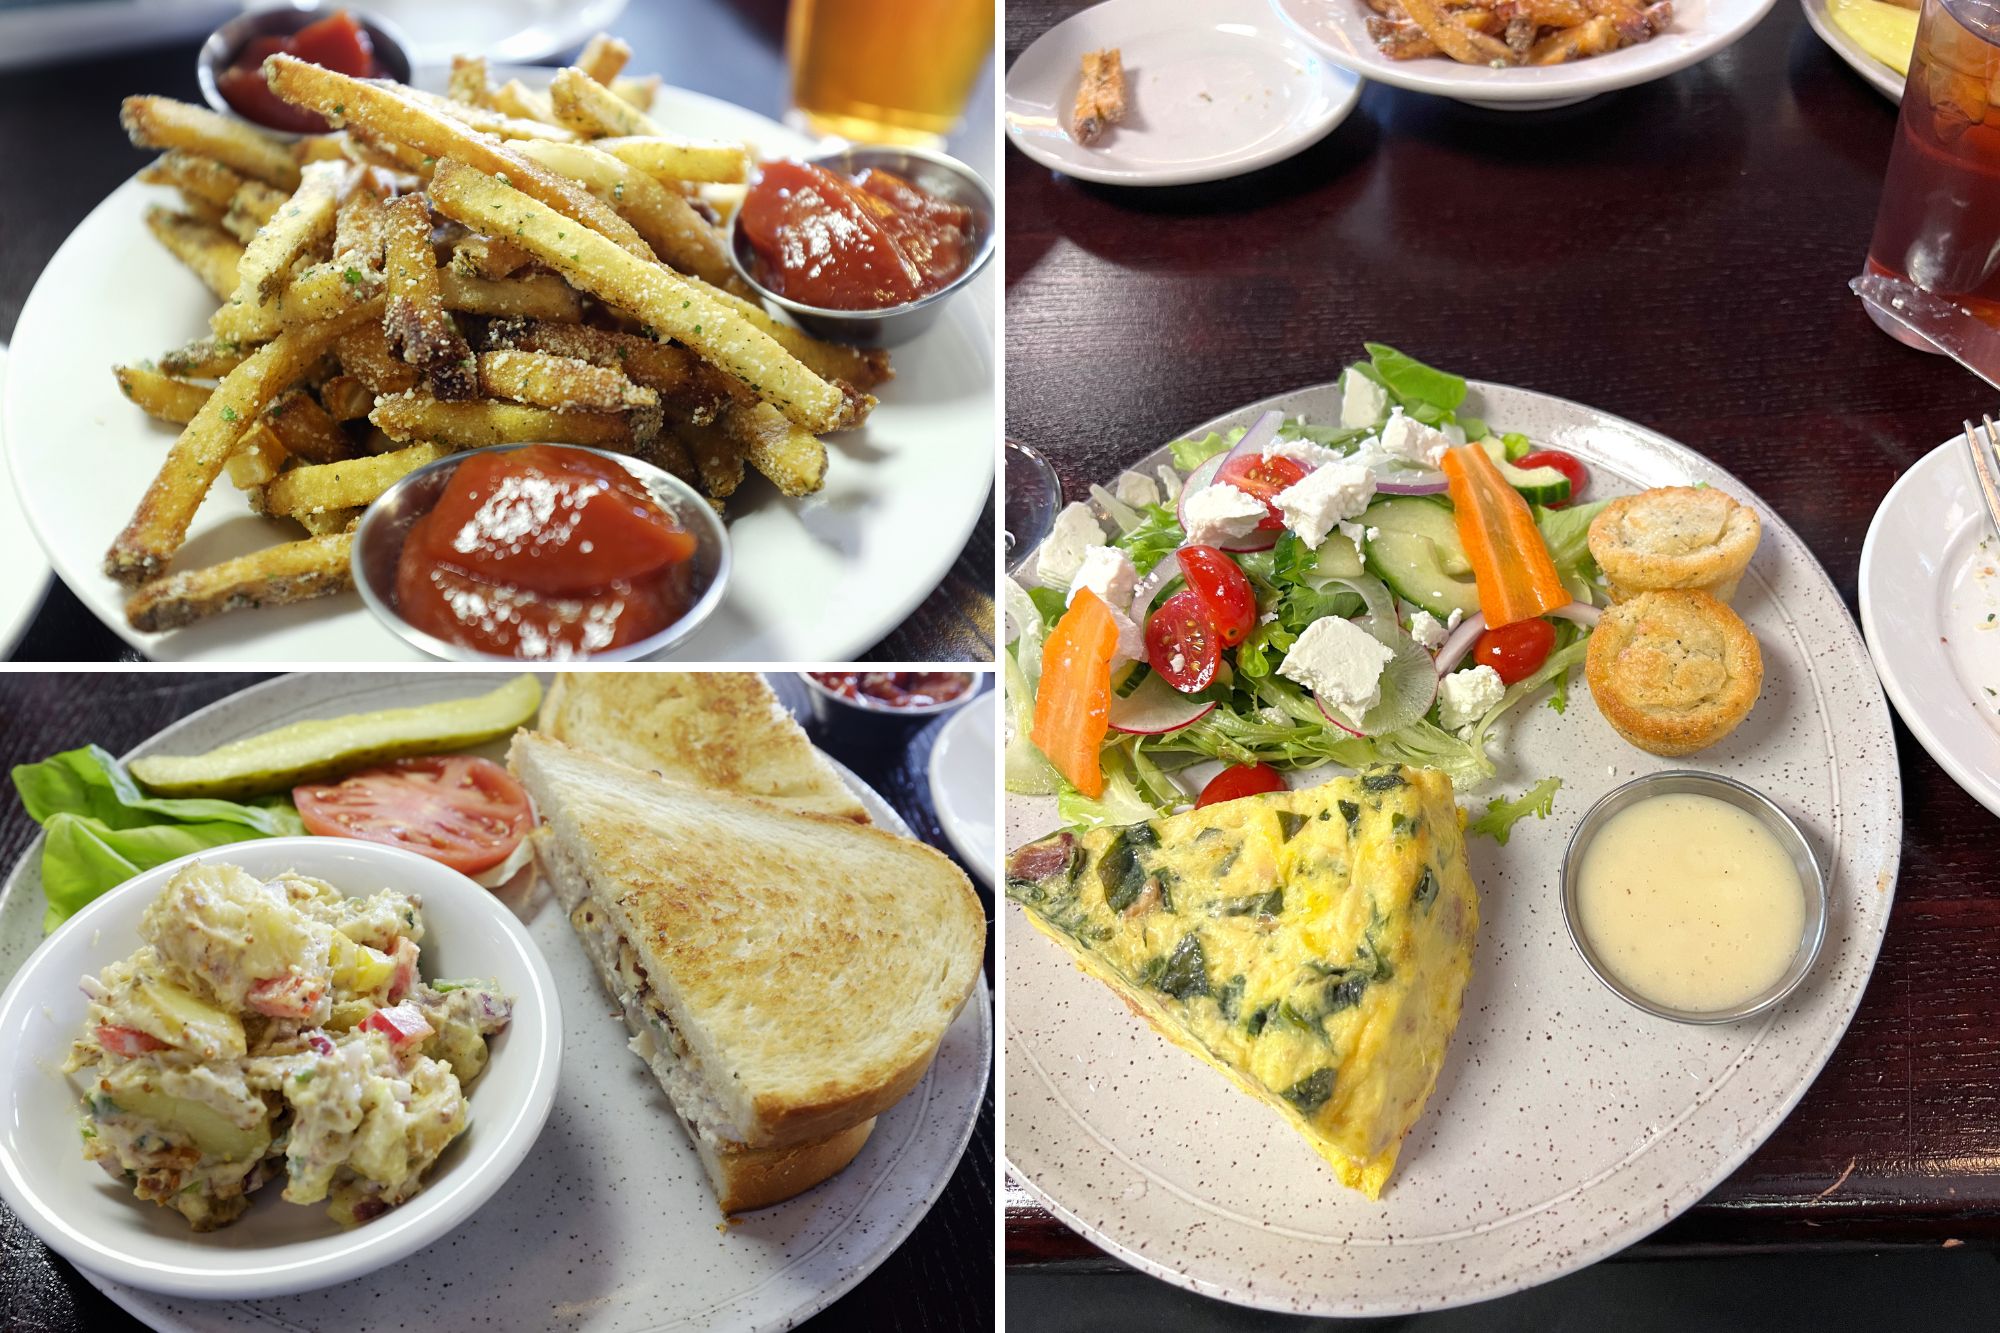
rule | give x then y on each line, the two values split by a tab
1410	483
1461	640
1156	707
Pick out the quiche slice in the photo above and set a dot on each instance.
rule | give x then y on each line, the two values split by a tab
1313	945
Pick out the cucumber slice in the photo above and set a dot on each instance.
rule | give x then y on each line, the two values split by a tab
1537	485
315	751
1416	552
1337	558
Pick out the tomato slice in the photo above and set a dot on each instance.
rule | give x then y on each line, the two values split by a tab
1567	464
1181	643
1240	780
403	1024
1263	478
128	1042
1516	651
466	813
1224	593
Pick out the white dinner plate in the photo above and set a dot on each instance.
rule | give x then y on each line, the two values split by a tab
1930	606
1566	1124
27	579
1885	81
963	761
819	579
1700	29
1215	88
610	1224
517	30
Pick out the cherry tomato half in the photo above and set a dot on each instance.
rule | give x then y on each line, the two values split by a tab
1567	464
1240	780
1263	478
1181	643
465	812
1224	593
1516	651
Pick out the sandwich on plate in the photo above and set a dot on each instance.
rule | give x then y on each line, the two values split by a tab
787	975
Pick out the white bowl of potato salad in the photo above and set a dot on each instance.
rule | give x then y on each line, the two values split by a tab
273	1066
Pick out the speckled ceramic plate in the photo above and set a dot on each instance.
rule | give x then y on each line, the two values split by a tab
610	1224
1566	1124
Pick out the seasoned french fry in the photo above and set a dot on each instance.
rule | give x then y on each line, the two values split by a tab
160	523
640	92
665	450
212	253
1557	13
260	456
204	358
1626	20
193	175
680	159
673	372
592	110
365	354
415	318
305	217
1455	38
793	459
490	257
862	367
691	313
361	224
320	291
469	83
535	296
486	121
543	380
326	522
348	399
253	204
415	416
161	396
385	111
604	58
1586	39
327	486
518	99
161	122
276	576
718	461
1100	96
305	429
319	148
387	155
679	235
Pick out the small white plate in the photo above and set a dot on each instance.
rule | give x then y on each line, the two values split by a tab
1930	578
278	1248
1886	81
1215	88
1701	28
523	30
27	581
962	763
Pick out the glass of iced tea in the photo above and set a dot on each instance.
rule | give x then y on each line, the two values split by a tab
1939	225
886	71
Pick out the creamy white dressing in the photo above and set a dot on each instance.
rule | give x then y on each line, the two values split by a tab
1690	901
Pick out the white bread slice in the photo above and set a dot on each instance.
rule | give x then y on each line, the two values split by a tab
723	730
800	969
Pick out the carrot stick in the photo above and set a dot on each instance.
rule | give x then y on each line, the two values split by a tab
1073	700
1510	562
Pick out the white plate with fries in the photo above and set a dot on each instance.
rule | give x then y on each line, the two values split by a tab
1575	49
1214	89
820	577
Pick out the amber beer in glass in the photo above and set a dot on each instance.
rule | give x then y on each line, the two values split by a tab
886	71
1939	225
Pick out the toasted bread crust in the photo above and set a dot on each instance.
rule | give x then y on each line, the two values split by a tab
759	1177
1673	671
1674	537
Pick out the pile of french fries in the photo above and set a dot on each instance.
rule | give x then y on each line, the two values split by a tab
1501	33
440	273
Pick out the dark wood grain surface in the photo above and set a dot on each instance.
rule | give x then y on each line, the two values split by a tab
1677	254
940	1278
61	153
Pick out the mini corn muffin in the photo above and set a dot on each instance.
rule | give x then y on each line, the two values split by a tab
1674	537
1673	671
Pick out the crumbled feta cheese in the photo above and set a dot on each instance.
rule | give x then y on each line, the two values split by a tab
1131	640
1314	504
1136	488
1426	629
1177	664
1341	664
1075	531
1362	401
1464	696
1373	533
1108	572
1267	618
1457	614
1354	532
1221	513
1303	452
1412	441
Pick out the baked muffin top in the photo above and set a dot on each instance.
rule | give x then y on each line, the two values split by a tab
1673	670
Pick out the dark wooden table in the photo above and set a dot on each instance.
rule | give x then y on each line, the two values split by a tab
1677	254
940	1278
62	152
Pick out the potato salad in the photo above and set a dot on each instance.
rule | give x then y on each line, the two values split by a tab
274	1028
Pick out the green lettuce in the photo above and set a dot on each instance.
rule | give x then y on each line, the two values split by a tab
1191	454
102	830
1498	821
1157	535
1415	383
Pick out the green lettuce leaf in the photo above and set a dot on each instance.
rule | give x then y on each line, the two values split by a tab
1191	454
1498	821
1157	536
1415	383
1566	532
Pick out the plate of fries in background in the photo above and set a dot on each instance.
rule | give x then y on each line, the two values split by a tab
1520	55
576	290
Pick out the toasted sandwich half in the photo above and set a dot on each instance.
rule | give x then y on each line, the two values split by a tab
787	977
723	730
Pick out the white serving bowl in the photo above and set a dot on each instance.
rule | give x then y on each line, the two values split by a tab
278	1248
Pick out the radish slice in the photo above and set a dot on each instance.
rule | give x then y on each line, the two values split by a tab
1168	570
1468	632
1156	707
1583	613
1409	687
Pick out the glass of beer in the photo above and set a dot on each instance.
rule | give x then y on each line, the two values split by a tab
1939	224
886	71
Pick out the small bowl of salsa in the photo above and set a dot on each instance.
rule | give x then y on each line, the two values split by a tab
863	245
231	64
541	552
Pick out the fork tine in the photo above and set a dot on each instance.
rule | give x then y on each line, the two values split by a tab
1982	469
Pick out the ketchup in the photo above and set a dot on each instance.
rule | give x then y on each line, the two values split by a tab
544	552
862	244
896	689
336	42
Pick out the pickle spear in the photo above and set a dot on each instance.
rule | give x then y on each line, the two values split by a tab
333	747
